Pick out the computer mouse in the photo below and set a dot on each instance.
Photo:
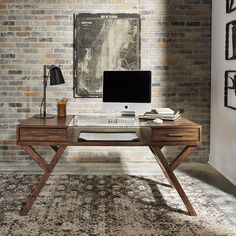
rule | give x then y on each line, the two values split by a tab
158	121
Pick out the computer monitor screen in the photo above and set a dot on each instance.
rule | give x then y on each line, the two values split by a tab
127	90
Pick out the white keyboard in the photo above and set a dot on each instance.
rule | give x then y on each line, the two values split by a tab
104	121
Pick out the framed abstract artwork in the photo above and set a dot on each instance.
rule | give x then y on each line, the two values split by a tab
230	6
230	89
103	42
230	41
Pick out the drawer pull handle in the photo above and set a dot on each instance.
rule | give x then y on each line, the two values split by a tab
175	135
41	135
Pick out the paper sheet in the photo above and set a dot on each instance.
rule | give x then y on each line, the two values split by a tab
107	136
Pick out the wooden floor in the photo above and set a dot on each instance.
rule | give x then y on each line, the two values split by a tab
217	187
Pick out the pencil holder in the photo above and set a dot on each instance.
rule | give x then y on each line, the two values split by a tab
61	107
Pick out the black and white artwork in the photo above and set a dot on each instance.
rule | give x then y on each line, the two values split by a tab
230	6
230	89
103	42
230	42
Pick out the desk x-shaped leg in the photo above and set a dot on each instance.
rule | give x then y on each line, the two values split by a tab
166	167
48	168
168	170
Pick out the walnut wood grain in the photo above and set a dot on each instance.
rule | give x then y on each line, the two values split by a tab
179	123
42	182
181	157
36	157
161	166
175	135
57	134
171	176
42	134
56	122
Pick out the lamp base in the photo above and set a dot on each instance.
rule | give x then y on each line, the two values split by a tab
40	116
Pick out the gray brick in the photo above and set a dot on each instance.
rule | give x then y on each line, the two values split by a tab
15	104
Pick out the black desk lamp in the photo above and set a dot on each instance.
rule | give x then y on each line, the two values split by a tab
56	78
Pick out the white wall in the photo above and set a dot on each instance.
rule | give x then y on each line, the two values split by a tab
223	119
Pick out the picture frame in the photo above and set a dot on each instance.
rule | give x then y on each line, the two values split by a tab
230	41
230	89
103	42
230	6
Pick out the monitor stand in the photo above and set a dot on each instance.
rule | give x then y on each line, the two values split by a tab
128	114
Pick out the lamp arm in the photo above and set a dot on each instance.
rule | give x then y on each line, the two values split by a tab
45	78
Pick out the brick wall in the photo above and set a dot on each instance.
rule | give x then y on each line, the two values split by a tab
175	45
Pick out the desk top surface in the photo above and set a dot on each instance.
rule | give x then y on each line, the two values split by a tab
58	122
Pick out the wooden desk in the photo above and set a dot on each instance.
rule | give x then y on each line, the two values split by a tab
57	134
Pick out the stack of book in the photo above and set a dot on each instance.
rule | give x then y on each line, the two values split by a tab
163	113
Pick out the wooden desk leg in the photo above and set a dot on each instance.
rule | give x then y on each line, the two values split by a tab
165	173
168	171
43	179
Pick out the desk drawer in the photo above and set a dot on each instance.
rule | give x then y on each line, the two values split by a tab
31	134
176	135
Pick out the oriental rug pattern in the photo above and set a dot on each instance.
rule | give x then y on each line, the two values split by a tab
107	205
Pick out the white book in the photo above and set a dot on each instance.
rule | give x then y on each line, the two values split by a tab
163	111
171	118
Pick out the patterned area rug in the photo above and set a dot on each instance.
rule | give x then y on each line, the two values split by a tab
107	205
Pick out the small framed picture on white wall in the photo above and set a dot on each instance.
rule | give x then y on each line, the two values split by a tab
230	89
230	41
230	6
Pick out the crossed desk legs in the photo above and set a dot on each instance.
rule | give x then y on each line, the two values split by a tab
168	170
48	168
166	167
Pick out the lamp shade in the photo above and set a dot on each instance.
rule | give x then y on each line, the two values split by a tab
56	76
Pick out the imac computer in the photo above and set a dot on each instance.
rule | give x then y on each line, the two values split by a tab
127	91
